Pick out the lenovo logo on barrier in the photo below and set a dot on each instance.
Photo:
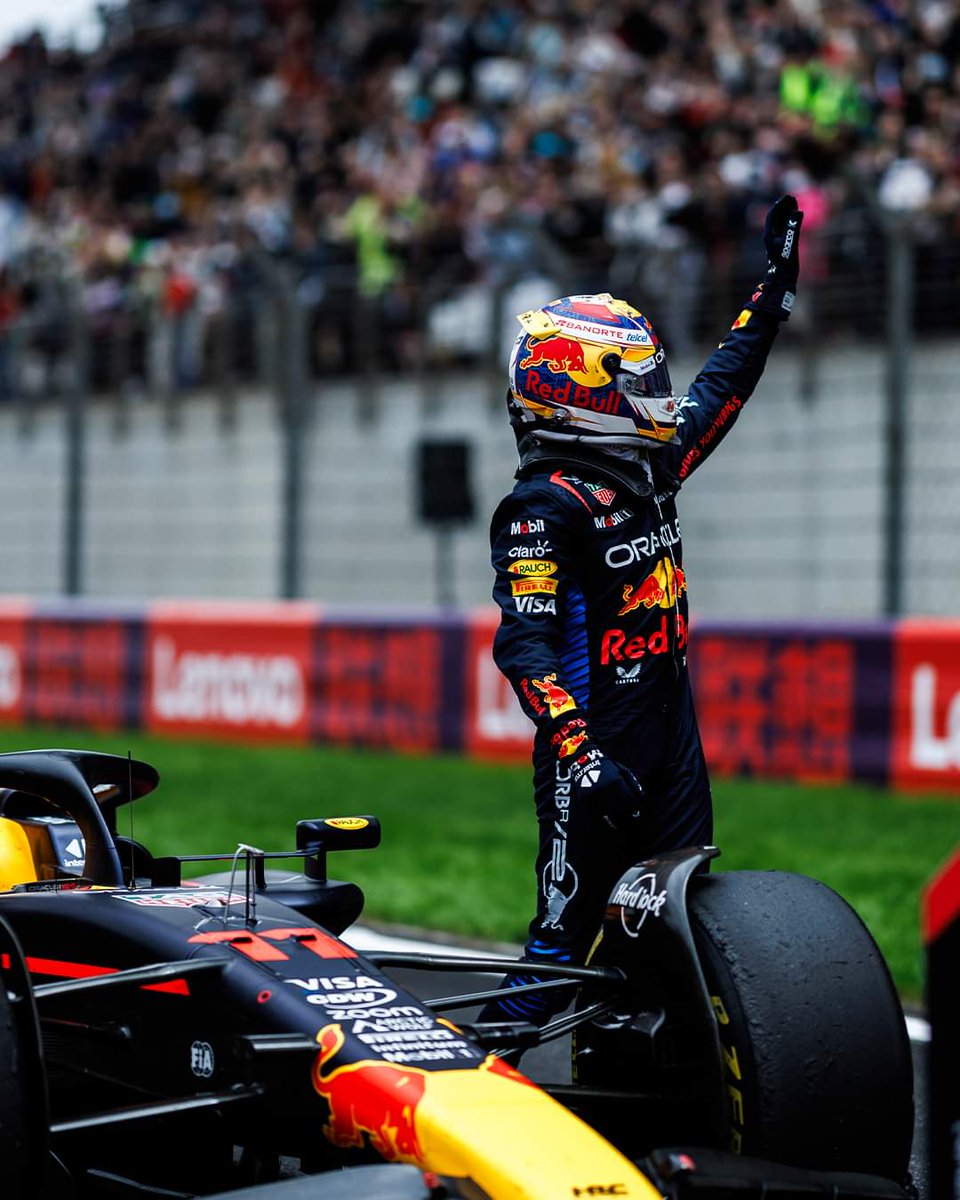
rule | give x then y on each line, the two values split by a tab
226	688
926	705
9	677
934	743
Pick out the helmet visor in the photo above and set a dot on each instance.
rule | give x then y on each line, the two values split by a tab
647	390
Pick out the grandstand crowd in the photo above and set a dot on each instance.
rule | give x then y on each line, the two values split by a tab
391	154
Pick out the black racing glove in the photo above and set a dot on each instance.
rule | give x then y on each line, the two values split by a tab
781	239
610	790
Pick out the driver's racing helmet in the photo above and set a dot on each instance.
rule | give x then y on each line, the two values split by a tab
591	368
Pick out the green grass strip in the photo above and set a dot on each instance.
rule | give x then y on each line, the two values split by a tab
459	837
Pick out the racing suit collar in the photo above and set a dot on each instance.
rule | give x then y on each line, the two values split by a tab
642	477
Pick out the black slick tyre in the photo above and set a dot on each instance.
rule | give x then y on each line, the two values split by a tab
817	1062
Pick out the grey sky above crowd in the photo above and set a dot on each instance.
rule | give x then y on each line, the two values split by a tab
61	21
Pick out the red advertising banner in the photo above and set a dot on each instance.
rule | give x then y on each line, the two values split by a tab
379	684
495	725
926	705
878	701
13	621
77	668
775	705
229	670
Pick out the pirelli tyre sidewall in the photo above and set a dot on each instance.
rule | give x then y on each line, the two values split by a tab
817	1064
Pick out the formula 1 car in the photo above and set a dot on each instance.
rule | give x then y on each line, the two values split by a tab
732	1034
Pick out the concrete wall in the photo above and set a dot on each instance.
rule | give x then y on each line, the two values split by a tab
786	520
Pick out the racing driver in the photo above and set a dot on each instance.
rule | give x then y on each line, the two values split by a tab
593	592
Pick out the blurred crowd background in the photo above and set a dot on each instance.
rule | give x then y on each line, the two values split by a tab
260	262
397	163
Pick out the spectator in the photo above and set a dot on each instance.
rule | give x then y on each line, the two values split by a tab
414	143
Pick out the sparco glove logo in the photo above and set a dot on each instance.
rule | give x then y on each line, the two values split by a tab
638	900
788	239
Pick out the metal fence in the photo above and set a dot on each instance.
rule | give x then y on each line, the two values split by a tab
295	329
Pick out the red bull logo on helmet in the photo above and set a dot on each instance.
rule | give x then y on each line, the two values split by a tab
565	363
555	352
566	392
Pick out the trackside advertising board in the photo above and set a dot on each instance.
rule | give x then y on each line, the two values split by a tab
875	701
216	670
794	702
926	705
13	621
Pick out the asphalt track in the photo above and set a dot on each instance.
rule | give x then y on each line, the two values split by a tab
551	1063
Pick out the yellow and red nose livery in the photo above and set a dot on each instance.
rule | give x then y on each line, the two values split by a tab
369	1097
487	1123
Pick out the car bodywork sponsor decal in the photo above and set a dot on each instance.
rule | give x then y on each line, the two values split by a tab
180	899
638	900
464	1122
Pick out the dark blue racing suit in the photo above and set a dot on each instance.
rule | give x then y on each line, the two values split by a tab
593	637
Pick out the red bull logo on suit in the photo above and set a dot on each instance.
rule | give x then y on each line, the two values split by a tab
558	699
661	588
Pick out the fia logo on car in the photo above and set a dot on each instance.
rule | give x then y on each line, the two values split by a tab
201	1059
